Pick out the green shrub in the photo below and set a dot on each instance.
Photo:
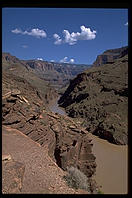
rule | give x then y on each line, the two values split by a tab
76	179
100	192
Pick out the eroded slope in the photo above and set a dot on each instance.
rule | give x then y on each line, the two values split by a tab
100	97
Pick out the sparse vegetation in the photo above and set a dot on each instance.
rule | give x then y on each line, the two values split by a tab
100	192
76	179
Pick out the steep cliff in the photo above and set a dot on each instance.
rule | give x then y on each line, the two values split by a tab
109	56
57	74
99	96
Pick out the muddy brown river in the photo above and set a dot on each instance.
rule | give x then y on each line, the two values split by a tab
112	166
55	108
112	162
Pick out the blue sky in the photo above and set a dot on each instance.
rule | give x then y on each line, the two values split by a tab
63	34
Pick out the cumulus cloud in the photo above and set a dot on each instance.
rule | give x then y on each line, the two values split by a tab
85	34
52	61
126	23
71	60
58	39
40	59
34	32
65	60
71	39
68	38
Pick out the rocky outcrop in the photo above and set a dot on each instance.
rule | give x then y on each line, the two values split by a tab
7	57
73	146
99	97
40	65
24	109
109	56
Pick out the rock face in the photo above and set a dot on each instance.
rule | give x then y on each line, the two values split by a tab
99	97
73	146
16	73
109	56
23	108
57	74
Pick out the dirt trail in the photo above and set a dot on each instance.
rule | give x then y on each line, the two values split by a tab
42	175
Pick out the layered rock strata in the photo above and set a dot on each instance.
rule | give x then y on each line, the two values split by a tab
109	56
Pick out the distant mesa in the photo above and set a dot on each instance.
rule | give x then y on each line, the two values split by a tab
109	56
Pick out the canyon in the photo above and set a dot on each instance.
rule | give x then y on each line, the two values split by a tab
56	75
25	100
62	135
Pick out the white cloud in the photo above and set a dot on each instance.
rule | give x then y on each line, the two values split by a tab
52	61
68	38
65	60
126	23
17	31
71	60
71	39
40	59
34	32
58	39
85	34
